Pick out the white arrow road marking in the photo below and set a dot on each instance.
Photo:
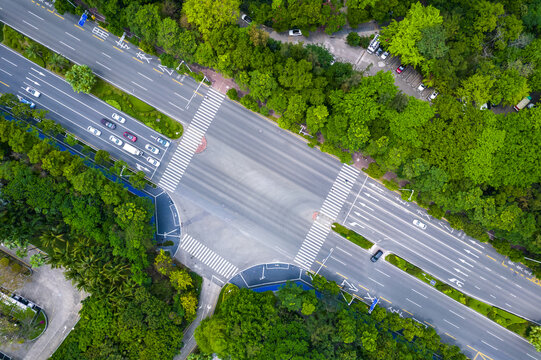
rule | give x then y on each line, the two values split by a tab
39	72
369	297
363	204
376	187
370	196
355	224
457	282
165	69
475	243
465	262
460	272
358	214
32	81
471	253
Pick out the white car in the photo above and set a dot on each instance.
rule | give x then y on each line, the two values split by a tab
32	92
421	87
93	131
433	95
385	55
152	149
116	140
295	32
118	118
153	161
419	224
163	142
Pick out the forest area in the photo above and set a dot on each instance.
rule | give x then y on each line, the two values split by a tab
102	236
477	168
298	324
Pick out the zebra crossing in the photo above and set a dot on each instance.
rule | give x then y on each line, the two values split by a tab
331	207
190	140
208	257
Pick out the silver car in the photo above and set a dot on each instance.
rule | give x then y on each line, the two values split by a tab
153	161
152	149
93	131
295	32
116	140
419	224
118	118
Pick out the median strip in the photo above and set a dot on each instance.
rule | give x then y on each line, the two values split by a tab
509	321
352	236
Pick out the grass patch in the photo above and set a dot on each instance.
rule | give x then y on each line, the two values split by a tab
39	324
509	321
352	236
137	109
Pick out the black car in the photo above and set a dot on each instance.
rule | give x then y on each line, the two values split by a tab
379	51
376	256
111	125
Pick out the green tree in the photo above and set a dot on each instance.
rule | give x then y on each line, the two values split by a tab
58	62
180	279
510	88
163	263
81	78
535	337
102	157
209	15
432	43
34	51
316	116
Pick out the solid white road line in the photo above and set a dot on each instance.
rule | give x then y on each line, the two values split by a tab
426	297
73	36
341	262
106	54
66	45
134	83
495	336
450	323
97	62
375	281
488	345
381	272
344	251
39	17
5	72
460	316
413	302
9	62
146	77
27	23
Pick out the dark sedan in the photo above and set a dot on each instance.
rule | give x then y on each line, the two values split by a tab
111	125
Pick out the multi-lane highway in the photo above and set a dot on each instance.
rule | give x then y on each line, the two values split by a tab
257	194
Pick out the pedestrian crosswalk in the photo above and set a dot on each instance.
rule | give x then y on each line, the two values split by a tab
331	207
191	140
208	257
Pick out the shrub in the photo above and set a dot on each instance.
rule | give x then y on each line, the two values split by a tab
344	156
4	262
435	211
364	41
264	111
249	102
374	170
114	104
391	185
16	267
70	140
168	60
353	39
357	16
167	243
232	94
148	47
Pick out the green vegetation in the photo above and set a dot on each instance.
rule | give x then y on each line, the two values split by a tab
82	79
296	324
102	236
17	325
502	317
137	109
352	236
12	274
535	337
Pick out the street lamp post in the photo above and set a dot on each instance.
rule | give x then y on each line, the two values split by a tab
412	191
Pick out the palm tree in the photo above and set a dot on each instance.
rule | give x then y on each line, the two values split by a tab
33	51
58	62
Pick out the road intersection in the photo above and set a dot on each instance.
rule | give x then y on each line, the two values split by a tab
250	197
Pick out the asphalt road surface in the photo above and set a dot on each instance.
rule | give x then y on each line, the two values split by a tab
257	187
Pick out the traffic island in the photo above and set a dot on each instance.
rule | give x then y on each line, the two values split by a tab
509	321
352	236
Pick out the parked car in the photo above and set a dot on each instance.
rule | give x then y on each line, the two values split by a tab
295	32
385	55
27	102
111	125
118	118
374	44
376	256
116	140
130	136
152	149
421	87
379	51
163	142
530	105
400	69
419	224
32	92
93	131
246	18
153	161
433	95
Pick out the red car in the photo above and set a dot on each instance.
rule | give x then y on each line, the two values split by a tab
400	69
130	136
